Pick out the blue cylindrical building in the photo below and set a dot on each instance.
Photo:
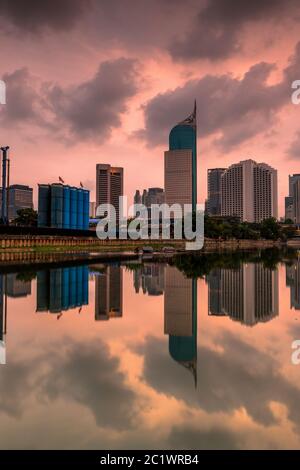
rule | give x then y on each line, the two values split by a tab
73	208
86	209
80	209
44	205
57	191
66	207
60	206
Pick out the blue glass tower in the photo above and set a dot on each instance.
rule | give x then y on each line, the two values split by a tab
184	137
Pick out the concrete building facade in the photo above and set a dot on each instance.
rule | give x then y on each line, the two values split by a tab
109	185
249	191
214	179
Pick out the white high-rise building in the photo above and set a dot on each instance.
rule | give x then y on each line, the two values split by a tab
249	191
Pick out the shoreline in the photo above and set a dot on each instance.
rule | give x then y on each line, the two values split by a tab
13	258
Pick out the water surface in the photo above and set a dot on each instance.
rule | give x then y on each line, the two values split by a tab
152	356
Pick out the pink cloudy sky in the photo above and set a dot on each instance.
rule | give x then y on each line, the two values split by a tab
103	81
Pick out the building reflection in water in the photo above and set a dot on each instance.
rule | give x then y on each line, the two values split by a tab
109	293
3	316
292	275
180	318
248	294
61	289
17	286
150	278
180	309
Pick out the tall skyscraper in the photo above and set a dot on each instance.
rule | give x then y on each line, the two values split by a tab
150	196
289	208
214	176
145	197
109	294
137	197
296	200
181	163
155	196
109	185
248	294
292	201
180	311
249	191
293	282
150	278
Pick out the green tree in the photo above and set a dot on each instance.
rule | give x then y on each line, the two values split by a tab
26	217
270	229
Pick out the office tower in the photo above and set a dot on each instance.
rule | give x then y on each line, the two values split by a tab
63	206
137	197
16	286
296	200
150	278
293	179
289	208
180	318
155	196
20	197
150	196
293	282
109	294
109	185
214	190
145	198
61	289
249	191
213	280
248	294
181	163
292	203
92	210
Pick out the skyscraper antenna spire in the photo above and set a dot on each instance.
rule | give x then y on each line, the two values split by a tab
191	120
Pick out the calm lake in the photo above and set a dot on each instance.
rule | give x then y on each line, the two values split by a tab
197	354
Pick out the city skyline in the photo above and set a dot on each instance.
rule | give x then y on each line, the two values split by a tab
125	120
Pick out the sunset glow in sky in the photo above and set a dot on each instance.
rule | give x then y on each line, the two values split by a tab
103	82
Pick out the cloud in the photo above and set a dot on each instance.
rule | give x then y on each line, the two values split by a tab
216	31
89	375
135	23
235	109
24	103
33	15
294	149
84	373
15	387
231	109
192	437
88	110
91	109
239	377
